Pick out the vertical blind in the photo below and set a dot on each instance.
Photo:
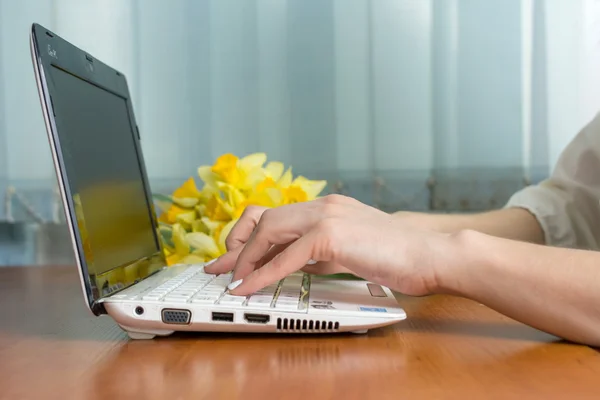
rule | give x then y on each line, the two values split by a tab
420	104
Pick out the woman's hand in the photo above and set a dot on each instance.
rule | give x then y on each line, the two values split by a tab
331	235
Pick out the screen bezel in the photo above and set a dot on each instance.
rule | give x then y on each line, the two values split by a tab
50	51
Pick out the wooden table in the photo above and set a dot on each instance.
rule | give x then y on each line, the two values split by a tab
52	348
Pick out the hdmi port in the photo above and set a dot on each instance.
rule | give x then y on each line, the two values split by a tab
222	316
257	318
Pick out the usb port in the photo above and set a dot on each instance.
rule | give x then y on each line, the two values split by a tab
257	318
222	316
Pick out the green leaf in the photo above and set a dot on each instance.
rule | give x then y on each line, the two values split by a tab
163	202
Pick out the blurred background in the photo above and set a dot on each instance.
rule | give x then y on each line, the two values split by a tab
432	105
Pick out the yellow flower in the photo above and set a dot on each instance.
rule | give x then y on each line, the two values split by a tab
293	194
218	210
170	216
226	168
187	190
195	223
242	173
181	202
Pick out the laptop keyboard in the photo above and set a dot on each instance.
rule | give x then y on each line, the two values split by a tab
195	286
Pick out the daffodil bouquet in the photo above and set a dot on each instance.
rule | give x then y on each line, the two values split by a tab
194	224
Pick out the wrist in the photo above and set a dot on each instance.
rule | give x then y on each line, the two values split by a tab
417	219
458	255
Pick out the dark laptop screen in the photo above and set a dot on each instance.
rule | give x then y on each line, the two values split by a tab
102	165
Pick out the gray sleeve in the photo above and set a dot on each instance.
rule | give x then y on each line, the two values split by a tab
567	205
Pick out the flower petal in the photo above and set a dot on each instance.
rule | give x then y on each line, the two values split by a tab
275	169
252	161
185	202
186	219
210	224
233	195
223	235
163	202
166	235
202	244
193	259
188	189
275	196
286	178
312	188
208	177
253	177
182	247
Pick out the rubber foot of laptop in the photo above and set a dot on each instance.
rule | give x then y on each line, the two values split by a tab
141	336
361	332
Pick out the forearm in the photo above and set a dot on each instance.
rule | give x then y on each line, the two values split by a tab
556	290
509	223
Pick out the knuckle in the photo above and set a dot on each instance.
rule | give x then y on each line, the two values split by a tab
266	216
334	204
230	241
253	210
260	230
334	199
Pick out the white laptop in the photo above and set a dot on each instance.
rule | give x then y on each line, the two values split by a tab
96	149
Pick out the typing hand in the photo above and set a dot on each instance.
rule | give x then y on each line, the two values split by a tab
322	235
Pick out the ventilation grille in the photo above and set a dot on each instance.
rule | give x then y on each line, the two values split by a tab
300	325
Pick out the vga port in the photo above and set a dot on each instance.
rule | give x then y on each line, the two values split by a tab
176	317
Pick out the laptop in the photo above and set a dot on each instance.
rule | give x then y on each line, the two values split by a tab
97	154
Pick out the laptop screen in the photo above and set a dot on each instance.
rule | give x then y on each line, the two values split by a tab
102	164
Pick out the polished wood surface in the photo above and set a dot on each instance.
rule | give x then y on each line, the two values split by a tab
51	347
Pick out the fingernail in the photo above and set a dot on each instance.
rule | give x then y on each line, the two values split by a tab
235	284
311	262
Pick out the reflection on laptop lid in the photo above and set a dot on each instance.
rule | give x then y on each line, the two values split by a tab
101	169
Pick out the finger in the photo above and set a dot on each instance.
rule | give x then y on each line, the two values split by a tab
277	226
251	255
244	227
288	261
225	263
273	251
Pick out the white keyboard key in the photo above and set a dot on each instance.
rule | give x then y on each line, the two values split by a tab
295	296
291	285
232	300
189	293
260	301
183	290
197	282
176	299
265	292
204	300
286	306
152	297
214	296
284	300
212	291
173	294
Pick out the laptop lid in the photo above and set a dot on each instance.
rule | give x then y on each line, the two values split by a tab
98	159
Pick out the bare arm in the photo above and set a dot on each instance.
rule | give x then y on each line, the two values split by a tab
553	289
509	223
